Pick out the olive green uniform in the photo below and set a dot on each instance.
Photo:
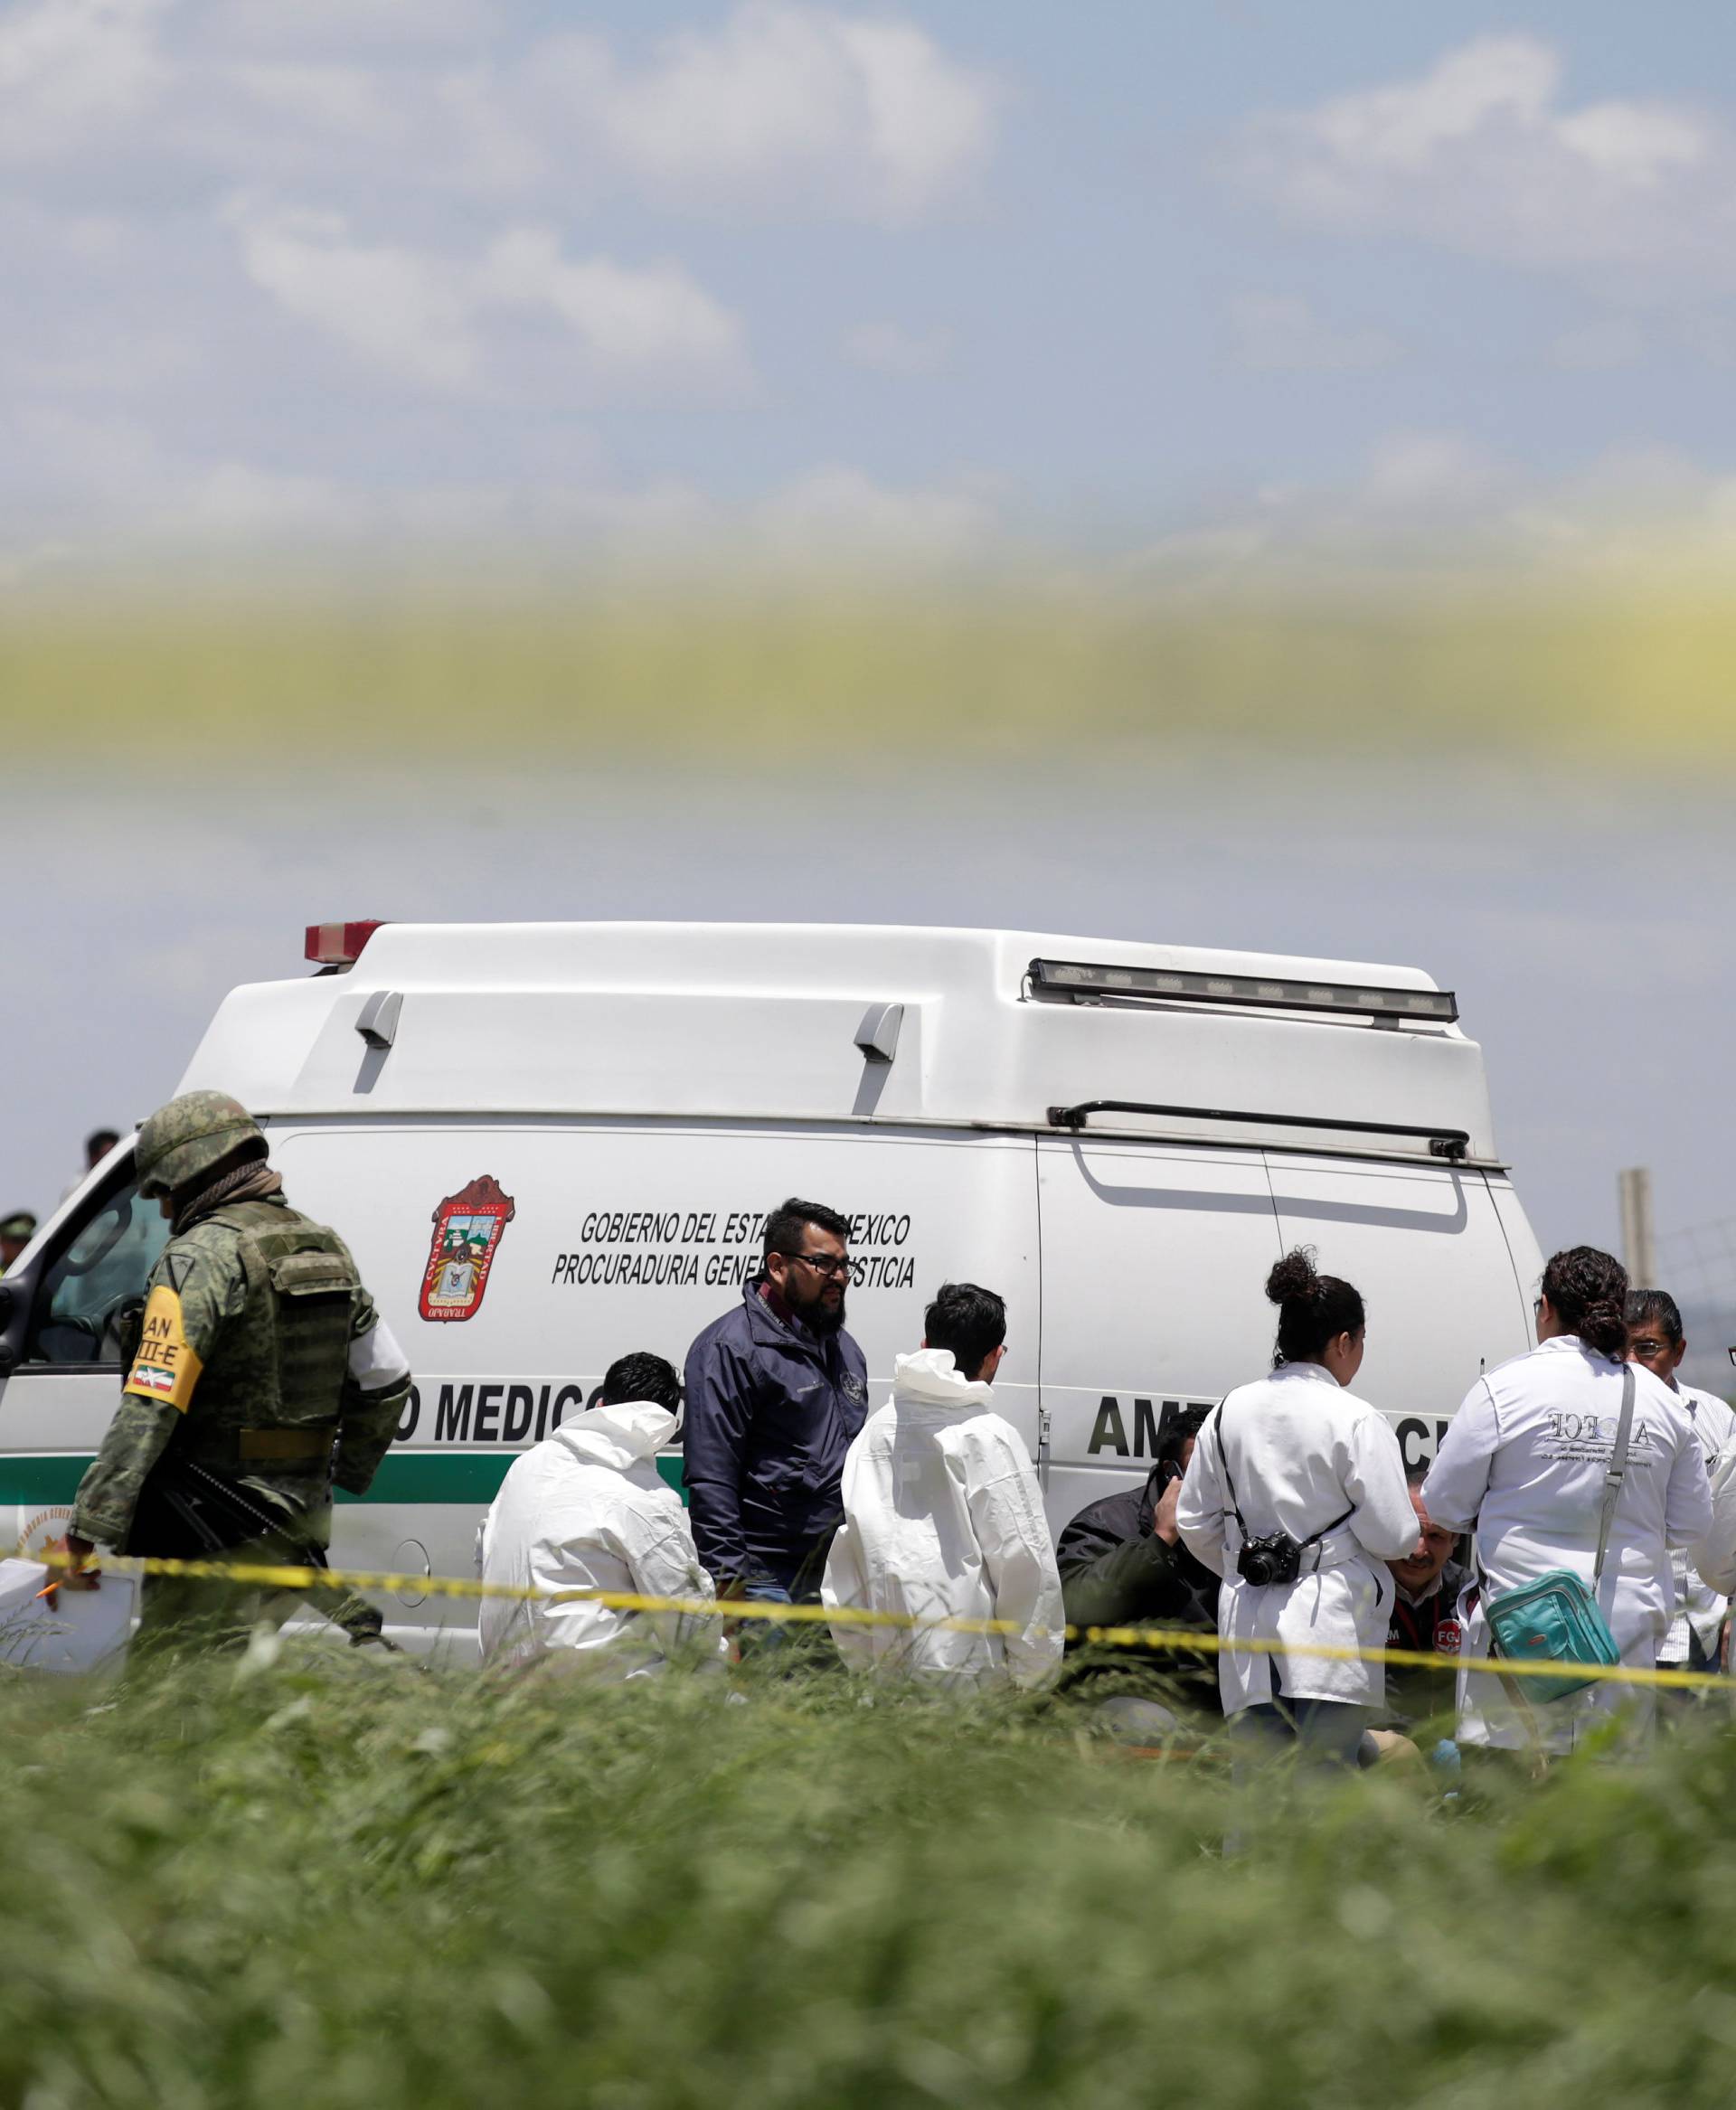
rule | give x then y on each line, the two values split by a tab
262	1361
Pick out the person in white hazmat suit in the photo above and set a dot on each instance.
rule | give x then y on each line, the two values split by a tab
1656	1339
1296	1495
586	1509
1524	1465
943	1517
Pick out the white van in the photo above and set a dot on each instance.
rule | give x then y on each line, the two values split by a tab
550	1143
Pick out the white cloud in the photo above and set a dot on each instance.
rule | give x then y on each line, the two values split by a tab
787	106
233	498
891	348
1280	333
632	323
342	101
406	314
1483	154
71	69
90	476
838	511
423	316
89	489
1434	509
794	109
1429	476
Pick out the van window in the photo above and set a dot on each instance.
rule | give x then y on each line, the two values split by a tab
92	1294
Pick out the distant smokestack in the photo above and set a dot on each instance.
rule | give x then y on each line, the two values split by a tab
1639	1245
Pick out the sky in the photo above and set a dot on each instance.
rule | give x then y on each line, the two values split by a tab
1189	296
1192	286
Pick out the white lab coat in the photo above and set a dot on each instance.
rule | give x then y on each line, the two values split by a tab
1524	1462
1714	1558
943	1519
1700	1607
1301	1452
589	1510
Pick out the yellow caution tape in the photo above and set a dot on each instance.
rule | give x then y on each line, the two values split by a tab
1160	1639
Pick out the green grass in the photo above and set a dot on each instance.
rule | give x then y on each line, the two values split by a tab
334	1881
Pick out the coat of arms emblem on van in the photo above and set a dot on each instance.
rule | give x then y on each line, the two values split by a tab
468	1227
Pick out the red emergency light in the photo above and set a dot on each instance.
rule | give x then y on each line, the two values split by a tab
339	945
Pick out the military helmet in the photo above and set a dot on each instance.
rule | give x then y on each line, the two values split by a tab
189	1137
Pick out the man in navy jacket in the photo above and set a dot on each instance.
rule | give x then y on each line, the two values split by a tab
776	1390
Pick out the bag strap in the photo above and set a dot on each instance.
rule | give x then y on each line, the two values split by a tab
1612	1479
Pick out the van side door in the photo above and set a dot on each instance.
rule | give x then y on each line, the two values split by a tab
1154	1258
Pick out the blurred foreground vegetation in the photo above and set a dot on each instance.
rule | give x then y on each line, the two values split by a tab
1618	679
339	1881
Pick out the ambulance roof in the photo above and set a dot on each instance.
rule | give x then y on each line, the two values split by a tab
842	1022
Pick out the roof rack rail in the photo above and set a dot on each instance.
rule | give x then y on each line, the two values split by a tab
1449	1143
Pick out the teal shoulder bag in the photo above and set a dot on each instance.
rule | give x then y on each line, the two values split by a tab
1556	1619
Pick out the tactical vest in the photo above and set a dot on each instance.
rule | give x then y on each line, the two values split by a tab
268	1405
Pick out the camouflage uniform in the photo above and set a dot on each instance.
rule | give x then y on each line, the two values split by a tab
262	1375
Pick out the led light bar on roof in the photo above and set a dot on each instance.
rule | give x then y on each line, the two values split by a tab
1162	984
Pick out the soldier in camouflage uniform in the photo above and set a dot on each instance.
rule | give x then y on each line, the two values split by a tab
263	1374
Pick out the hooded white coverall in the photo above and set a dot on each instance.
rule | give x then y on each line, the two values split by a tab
1524	1462
1301	1452
943	1519
586	1509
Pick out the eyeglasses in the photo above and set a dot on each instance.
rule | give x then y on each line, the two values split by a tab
1649	1347
823	1263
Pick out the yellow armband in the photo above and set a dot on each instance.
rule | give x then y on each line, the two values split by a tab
166	1368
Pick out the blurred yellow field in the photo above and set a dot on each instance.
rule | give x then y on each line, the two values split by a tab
1635	677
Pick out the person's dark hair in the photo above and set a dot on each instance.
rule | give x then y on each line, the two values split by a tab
100	1143
970	1321
1312	1309
1588	1292
1175	1426
784	1225
1655	1307
641	1376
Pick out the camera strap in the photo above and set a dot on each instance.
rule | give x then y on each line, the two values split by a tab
1313	1539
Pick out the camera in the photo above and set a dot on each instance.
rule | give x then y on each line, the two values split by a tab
1273	1559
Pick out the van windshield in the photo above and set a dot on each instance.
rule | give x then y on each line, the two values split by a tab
92	1295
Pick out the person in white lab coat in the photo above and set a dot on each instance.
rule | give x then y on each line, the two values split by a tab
1296	1495
1524	1464
1656	1340
586	1509
943	1517
1714	1556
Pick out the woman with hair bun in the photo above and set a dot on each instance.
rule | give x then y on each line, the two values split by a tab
1296	1495
1524	1464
